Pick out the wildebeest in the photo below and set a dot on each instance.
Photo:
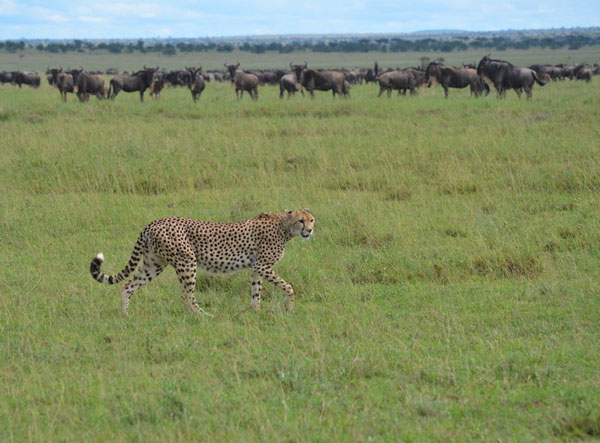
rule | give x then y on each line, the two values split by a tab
372	74
158	83
400	80
26	78
323	81
6	77
291	82
505	76
177	78
87	84
243	82
583	73
197	83
553	72
63	82
449	77
138	81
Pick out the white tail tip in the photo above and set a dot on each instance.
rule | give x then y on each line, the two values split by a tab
100	256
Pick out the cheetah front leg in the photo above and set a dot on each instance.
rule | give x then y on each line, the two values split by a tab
186	273
256	287
268	274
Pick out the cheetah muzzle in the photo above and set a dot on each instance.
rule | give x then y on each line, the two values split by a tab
216	248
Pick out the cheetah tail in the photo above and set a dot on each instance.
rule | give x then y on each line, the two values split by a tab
128	269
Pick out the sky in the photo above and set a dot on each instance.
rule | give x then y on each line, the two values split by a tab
60	19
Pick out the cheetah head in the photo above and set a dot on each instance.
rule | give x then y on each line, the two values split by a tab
300	223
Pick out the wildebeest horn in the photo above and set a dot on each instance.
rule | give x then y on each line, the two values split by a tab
238	65
305	64
225	64
291	65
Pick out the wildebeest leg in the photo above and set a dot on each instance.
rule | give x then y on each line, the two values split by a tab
380	91
389	92
142	94
445	90
255	96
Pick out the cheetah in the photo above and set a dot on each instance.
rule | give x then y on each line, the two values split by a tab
216	248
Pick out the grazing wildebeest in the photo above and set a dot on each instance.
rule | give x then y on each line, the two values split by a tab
449	77
583	73
197	83
323	81
553	72
28	78
87	84
291	82
400	80
243	82
505	76
138	81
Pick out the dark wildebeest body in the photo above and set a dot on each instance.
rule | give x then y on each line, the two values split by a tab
291	82
26	78
87	84
243	82
449	77
583	73
62	81
323	81
399	80
6	77
197	83
554	72
505	76
372	74
138	81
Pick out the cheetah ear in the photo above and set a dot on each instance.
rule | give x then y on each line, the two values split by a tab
288	212
308	210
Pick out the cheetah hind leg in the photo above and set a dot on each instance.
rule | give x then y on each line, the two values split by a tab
186	273
144	275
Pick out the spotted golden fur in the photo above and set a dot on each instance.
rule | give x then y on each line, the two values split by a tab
217	248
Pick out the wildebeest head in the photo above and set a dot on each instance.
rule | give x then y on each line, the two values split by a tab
194	72
232	69
75	73
434	69
53	74
147	74
298	69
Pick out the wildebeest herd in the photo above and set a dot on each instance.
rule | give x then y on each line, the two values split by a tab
500	74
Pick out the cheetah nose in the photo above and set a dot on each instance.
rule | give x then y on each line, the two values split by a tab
309	231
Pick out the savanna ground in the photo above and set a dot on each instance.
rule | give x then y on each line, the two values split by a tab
451	290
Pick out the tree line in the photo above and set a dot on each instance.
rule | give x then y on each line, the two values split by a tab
496	43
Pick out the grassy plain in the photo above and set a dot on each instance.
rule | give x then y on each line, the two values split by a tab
451	290
33	60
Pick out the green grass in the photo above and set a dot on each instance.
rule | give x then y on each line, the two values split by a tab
451	290
34	60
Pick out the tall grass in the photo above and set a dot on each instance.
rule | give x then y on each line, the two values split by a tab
451	290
